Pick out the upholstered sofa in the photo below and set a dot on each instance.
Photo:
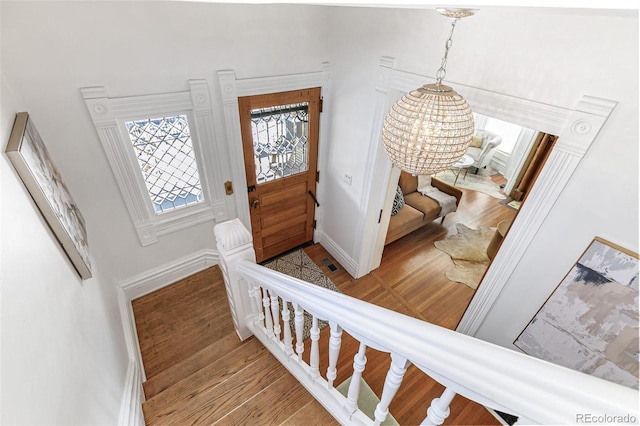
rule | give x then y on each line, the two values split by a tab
483	147
418	209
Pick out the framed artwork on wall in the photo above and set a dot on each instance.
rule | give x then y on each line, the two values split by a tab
590	322
29	156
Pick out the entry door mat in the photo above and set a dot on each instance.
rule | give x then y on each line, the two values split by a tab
299	265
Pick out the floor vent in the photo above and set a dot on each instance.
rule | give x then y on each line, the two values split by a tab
329	264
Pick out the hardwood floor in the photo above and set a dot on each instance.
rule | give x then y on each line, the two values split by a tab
200	373
411	277
181	317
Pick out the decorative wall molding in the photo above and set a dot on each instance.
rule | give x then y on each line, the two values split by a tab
230	89
108	116
527	113
162	276
560	166
132	398
577	129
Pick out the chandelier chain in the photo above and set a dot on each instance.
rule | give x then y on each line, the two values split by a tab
442	71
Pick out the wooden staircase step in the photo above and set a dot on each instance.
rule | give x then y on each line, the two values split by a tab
203	379
209	403
311	414
273	405
187	367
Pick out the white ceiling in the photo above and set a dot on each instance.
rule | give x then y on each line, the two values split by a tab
478	4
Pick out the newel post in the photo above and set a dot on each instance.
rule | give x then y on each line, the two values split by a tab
234	244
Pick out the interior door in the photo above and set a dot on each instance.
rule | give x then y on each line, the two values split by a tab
280	145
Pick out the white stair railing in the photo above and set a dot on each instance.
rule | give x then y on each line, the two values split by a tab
536	391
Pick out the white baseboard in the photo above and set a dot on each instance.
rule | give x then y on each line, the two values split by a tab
160	277
131	407
343	259
130	333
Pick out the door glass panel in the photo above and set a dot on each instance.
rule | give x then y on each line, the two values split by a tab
280	141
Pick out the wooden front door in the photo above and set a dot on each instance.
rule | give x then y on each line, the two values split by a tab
280	144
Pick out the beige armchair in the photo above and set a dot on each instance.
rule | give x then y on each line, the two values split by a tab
483	153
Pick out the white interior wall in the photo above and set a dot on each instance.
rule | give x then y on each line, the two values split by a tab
52	49
64	357
548	56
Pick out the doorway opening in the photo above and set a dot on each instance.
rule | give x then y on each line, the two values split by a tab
494	184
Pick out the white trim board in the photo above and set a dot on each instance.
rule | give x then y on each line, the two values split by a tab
162	276
109	115
132	398
231	88
130	332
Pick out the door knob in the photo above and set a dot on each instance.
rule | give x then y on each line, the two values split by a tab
255	203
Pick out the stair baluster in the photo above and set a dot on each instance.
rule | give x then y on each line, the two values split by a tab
359	362
267	314
391	385
439	409
257	305
275	313
299	324
334	351
314	359
286	317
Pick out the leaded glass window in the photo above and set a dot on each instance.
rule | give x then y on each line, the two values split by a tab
280	136
166	158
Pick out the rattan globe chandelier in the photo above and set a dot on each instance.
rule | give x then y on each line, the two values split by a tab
429	129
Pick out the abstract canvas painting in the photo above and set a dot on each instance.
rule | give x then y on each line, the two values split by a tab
29	156
590	322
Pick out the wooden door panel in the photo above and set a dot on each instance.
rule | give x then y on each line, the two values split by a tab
283	227
294	227
270	251
281	213
280	146
276	196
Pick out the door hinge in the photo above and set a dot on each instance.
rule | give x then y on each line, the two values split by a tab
321	104
314	223
318	176
380	217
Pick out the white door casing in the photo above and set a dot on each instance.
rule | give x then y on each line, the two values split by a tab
577	129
